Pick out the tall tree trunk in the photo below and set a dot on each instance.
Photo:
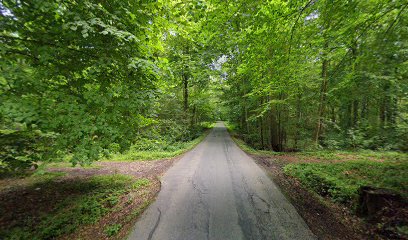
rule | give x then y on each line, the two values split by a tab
193	116
382	114
185	91
354	52
261	132
355	113
349	116
364	109
274	133
323	94
246	118
333	115
392	107
298	118
324	75
245	106
281	127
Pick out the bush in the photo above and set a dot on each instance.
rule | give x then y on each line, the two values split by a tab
20	149
341	180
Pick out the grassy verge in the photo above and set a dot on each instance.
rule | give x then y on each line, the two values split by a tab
77	203
171	151
338	155
341	180
338	176
159	151
241	144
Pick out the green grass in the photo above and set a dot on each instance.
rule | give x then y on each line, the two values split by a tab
341	180
88	201
113	229
244	146
336	155
241	144
171	151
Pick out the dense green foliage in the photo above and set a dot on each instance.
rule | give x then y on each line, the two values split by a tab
306	74
158	148
134	80
90	78
89	200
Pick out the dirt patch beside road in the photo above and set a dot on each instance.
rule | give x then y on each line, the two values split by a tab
25	202
139	169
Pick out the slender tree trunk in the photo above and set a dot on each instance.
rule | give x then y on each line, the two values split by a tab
193	117
185	91
261	132
382	114
246	118
323	93
245	106
393	110
324	75
242	120
385	107
364	108
298	119
354	52
274	133
355	113
281	128
391	107
333	115
349	116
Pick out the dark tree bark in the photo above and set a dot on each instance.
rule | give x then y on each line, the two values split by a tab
323	93
355	113
261	130
274	133
185	91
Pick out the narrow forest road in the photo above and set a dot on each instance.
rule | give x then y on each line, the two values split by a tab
216	191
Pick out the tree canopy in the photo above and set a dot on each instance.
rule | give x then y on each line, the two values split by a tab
88	77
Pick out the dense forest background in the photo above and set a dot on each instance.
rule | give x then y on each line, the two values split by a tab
319	74
91	78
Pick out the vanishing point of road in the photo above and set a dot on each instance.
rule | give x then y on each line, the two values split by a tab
216	191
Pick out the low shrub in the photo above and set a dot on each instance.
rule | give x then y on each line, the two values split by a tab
341	180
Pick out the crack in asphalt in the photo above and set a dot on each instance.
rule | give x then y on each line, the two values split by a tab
202	191
243	217
261	214
155	226
253	195
197	188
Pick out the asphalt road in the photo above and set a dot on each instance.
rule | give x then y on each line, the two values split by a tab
216	191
